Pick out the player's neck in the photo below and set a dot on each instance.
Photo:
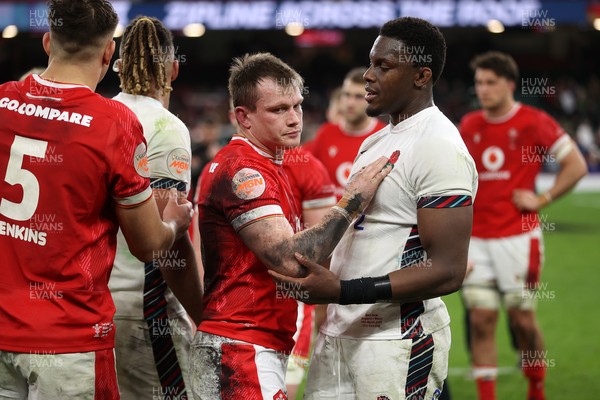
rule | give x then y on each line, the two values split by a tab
417	105
500	111
165	99
258	144
78	74
356	128
162	98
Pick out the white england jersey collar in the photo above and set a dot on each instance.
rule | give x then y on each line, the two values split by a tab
414	119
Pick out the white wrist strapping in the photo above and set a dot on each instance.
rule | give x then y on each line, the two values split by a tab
342	211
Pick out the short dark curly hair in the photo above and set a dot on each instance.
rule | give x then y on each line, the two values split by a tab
416	33
79	24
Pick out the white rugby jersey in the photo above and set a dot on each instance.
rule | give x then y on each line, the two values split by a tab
169	158
434	169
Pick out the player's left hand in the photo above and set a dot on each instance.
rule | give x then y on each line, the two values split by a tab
319	286
526	200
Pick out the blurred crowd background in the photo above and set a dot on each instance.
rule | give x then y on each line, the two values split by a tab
559	66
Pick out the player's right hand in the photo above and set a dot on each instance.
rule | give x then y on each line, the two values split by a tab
361	186
319	286
178	211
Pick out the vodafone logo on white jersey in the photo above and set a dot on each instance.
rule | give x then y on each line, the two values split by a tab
493	158
342	173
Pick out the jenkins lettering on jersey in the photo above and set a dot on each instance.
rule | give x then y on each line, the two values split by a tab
49	113
23	233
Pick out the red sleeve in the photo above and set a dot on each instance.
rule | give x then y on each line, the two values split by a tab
249	190
547	130
310	146
464	125
129	173
313	145
317	189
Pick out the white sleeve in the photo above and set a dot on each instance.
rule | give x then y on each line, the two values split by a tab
169	156
442	168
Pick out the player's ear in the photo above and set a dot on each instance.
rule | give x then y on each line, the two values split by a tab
423	76
174	70
46	43
117	65
232	119
109	50
241	115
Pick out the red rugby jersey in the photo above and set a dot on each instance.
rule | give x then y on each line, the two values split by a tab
241	185
67	156
509	152
308	179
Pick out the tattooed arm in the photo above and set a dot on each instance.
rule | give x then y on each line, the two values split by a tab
273	240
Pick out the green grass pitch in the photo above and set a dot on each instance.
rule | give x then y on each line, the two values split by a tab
567	311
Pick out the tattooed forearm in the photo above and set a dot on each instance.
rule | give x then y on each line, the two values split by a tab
351	205
315	243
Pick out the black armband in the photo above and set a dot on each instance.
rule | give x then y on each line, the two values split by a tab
365	290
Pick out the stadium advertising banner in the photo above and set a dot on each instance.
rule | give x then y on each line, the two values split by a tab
232	15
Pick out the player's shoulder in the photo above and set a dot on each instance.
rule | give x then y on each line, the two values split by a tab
301	161
438	132
114	111
435	125
297	155
471	118
174	120
168	129
529	110
531	113
239	167
148	110
239	154
10	86
373	138
327	128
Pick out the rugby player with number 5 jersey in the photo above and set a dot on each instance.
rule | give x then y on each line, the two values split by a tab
73	168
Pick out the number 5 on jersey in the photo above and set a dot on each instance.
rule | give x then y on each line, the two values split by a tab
16	175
